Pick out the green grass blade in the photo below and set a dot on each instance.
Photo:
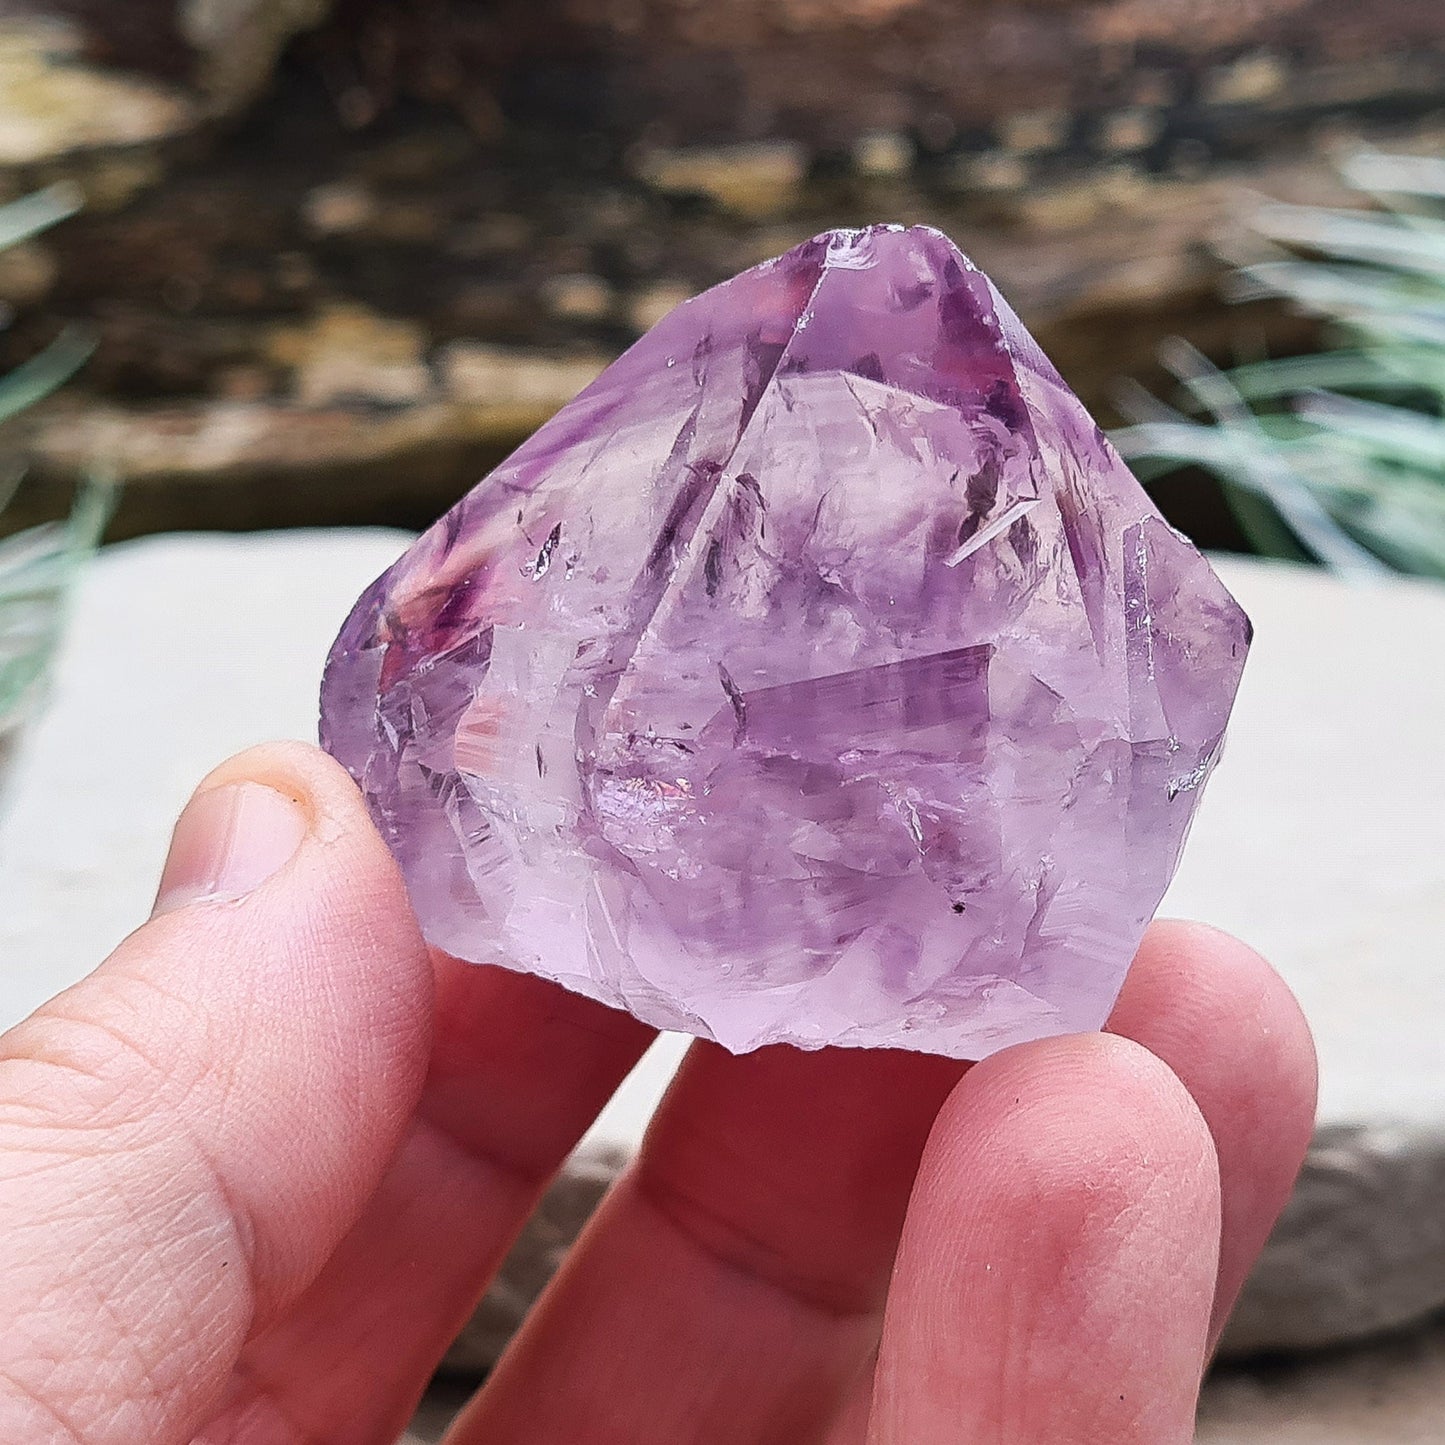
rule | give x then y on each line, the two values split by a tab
1382	174
1325	289
35	379
1255	462
1416	245
1330	371
30	215
1389	435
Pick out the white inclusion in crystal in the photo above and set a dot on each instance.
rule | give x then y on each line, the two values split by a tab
1188	783
850	251
539	566
1004	520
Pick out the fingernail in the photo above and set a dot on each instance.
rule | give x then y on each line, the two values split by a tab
229	841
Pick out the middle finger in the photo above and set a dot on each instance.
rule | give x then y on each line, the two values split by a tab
732	1285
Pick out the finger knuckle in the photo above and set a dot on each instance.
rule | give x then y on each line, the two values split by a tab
109	1056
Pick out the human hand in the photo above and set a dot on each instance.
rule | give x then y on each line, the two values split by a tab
257	1168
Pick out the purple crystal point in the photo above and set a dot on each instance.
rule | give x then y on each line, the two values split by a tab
820	675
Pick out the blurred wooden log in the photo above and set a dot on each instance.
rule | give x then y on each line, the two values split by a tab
217	53
544	180
1036	75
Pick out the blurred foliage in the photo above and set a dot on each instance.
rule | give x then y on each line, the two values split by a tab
38	565
1337	457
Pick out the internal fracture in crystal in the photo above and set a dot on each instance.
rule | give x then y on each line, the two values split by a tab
820	675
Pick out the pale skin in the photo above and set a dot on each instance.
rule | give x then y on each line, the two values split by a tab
256	1169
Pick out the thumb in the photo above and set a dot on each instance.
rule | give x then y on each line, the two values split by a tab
186	1135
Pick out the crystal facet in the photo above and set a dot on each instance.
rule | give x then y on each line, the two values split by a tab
820	675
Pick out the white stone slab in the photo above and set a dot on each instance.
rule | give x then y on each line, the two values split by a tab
1322	839
181	651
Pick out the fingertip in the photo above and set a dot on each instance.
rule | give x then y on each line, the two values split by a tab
1086	1110
248	818
1063	1232
314	780
1231	1029
277	868
1192	981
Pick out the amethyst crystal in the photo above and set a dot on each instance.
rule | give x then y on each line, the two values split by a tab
819	675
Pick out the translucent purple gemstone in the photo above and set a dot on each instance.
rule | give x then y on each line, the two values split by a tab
820	675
